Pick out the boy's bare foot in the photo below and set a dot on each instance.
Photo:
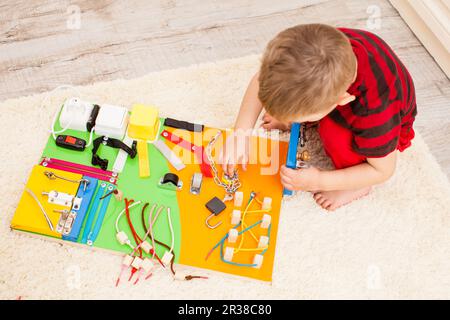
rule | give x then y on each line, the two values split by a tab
331	200
270	123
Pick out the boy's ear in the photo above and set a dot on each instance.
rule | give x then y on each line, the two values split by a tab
346	99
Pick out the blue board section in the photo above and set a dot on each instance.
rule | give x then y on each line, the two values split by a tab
93	211
291	159
93	234
86	195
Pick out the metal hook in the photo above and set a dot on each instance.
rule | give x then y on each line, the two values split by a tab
210	226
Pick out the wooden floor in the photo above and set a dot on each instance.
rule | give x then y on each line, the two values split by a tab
129	38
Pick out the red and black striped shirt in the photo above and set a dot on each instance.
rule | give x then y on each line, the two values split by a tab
383	112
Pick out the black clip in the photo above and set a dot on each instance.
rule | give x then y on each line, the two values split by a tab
97	161
170	181
113	143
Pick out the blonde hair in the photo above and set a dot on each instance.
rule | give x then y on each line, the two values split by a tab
304	70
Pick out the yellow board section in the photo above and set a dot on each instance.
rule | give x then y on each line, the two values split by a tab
143	123
261	177
28	216
144	162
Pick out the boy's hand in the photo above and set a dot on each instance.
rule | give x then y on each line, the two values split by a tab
270	123
300	179
235	151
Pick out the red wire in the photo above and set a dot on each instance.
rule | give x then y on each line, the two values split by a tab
136	237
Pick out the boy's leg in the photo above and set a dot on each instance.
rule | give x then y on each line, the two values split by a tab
337	142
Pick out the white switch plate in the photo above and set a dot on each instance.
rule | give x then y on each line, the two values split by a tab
111	121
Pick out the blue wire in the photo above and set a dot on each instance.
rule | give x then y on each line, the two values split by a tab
222	241
231	262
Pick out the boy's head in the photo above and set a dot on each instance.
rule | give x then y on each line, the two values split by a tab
305	72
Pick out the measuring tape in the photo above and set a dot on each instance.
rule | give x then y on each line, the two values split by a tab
86	193
197	150
97	173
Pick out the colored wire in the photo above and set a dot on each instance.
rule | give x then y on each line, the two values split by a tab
258	211
172	269
122	212
241	264
55	117
150	229
156	241
231	262
109	193
135	234
146	234
244	228
138	240
240	233
130	224
151	224
171	230
244	225
218	244
253	249
243	222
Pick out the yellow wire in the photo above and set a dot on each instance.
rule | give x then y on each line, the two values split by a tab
250	231
253	211
258	211
242	225
255	249
257	200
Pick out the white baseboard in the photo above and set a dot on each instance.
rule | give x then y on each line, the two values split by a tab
430	21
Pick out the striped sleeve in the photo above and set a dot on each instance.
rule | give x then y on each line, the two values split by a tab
375	117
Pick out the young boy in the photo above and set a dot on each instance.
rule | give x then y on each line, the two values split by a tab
354	85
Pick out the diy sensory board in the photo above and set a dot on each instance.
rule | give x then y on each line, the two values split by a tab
187	236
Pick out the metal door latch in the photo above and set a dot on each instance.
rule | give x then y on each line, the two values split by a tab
65	221
196	183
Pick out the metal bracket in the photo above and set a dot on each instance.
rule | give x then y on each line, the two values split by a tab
65	222
59	198
196	183
76	203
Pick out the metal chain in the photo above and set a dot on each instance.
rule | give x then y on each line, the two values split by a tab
234	183
52	176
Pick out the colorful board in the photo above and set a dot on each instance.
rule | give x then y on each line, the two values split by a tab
193	240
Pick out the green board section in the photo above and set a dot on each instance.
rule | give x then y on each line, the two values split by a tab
133	187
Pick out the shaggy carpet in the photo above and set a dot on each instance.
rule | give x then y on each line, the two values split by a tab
391	244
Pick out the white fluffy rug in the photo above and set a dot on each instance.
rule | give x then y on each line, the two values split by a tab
395	243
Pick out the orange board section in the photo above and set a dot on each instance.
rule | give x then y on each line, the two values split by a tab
261	176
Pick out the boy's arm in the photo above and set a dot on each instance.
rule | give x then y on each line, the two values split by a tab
250	107
374	171
236	151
